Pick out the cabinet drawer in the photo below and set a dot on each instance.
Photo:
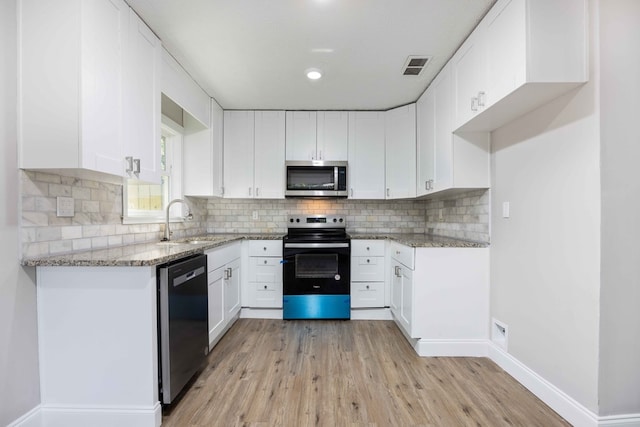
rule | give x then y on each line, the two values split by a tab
265	248
367	247
402	253
265	270
367	294
367	269
265	295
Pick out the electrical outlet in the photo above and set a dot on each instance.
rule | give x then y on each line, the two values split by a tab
499	334
65	207
254	215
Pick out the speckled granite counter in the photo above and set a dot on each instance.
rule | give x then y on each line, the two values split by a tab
146	254
421	240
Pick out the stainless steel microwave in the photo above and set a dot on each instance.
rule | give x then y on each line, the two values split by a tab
316	178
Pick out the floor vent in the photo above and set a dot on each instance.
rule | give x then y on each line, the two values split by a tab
415	64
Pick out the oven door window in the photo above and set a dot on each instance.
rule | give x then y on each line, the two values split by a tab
312	266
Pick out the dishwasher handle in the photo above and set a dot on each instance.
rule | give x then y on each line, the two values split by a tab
190	275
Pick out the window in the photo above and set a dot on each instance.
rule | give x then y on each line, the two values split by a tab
146	203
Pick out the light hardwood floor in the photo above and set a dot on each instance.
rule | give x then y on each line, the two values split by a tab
347	373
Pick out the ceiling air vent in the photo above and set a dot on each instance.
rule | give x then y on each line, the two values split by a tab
415	64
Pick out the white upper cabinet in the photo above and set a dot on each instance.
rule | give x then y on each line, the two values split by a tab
238	154
254	154
365	173
301	135
523	54
269	170
447	160
142	101
104	104
71	102
202	155
183	90
400	148
317	135
332	135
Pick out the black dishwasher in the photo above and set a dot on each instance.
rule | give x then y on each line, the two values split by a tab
183	335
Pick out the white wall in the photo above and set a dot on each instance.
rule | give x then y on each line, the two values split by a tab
620	151
19	381
545	258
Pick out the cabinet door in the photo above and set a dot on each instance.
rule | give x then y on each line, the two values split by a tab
366	155
142	109
301	135
269	143
406	304
238	154
396	288
443	121
332	135
216	306
104	31
469	76
426	141
232	289
400	143
506	49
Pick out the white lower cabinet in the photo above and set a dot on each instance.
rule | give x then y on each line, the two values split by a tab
223	266
440	295
367	274
264	282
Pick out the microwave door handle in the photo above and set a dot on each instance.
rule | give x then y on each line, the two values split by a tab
335	178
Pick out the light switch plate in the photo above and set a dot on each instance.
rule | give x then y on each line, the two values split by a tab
506	210
65	207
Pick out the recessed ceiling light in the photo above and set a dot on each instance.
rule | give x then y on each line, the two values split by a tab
313	73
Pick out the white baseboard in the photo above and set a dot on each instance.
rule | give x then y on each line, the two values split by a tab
371	314
260	313
628	420
62	416
55	416
33	418
556	399
451	348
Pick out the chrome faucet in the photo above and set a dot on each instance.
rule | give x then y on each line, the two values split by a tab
167	232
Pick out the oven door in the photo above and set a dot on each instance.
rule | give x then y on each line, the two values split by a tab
316	268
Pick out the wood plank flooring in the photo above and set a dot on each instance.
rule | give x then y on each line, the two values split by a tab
347	373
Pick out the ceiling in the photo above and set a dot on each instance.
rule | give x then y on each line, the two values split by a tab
252	54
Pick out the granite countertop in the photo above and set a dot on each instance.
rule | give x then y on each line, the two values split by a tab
420	240
146	254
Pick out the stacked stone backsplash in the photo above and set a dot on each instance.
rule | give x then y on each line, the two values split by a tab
465	215
97	222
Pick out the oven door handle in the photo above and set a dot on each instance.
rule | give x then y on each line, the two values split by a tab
316	245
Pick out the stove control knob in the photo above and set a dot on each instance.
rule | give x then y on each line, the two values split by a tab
297	219
290	219
335	220
340	219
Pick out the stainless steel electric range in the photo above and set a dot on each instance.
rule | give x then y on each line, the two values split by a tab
316	268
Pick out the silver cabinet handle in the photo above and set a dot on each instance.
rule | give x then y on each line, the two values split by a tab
368	248
265	286
136	164
257	191
226	274
129	161
265	261
352	192
249	191
320	155
474	103
387	192
397	271
367	286
264	248
481	98
230	272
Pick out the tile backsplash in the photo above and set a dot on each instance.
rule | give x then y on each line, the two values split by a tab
97	222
